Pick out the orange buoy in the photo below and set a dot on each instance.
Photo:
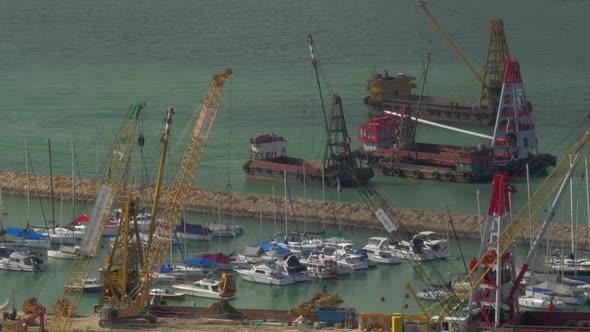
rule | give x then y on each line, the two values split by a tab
405	306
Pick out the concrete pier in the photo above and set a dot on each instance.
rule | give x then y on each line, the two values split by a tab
249	205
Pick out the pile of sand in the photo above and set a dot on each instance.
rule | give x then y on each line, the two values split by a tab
224	310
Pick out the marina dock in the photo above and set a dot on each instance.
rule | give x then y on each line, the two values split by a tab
249	205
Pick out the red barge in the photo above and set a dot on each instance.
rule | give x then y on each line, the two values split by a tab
389	143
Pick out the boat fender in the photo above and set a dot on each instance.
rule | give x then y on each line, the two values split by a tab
299	177
418	174
467	176
435	175
447	176
396	172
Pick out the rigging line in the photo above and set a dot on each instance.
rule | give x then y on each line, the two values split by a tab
229	130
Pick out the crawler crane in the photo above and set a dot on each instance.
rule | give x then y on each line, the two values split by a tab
112	182
135	306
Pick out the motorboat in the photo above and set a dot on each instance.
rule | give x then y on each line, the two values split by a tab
382	257
21	261
86	285
293	267
225	230
92	285
193	231
433	295
266	274
539	303
165	293
223	289
63	252
320	270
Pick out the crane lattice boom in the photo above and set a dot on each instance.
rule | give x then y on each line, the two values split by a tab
114	173
183	181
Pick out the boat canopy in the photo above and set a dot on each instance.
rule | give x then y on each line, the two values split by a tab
25	233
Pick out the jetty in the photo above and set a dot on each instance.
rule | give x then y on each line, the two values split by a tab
350	215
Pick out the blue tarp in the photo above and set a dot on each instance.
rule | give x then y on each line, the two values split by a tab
25	233
276	249
200	261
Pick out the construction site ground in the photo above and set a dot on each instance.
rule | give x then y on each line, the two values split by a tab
89	323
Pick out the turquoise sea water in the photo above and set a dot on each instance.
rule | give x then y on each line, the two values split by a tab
71	69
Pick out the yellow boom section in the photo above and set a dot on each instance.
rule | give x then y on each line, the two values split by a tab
114	173
422	5
183	182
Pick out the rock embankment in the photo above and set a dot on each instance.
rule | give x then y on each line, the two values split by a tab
250	205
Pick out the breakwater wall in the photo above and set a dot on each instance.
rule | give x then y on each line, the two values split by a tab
253	205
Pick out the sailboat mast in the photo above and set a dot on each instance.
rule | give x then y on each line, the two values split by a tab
587	195
51	182
285	182
572	217
73	179
314	61
28	187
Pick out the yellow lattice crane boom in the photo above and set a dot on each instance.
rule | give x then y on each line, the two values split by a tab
449	40
111	183
497	54
177	196
493	70
122	267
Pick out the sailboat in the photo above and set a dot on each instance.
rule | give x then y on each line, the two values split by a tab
7	241
32	238
64	251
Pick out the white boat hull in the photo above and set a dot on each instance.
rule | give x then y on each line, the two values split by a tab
196	237
60	254
38	243
198	292
263	279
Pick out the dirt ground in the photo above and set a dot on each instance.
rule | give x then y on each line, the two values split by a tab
89	323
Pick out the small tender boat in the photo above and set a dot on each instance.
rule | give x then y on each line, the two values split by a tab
224	288
164	293
22	261
265	274
64	252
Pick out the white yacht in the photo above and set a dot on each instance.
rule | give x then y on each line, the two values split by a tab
265	274
558	292
63	235
539	303
21	261
223	289
382	257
